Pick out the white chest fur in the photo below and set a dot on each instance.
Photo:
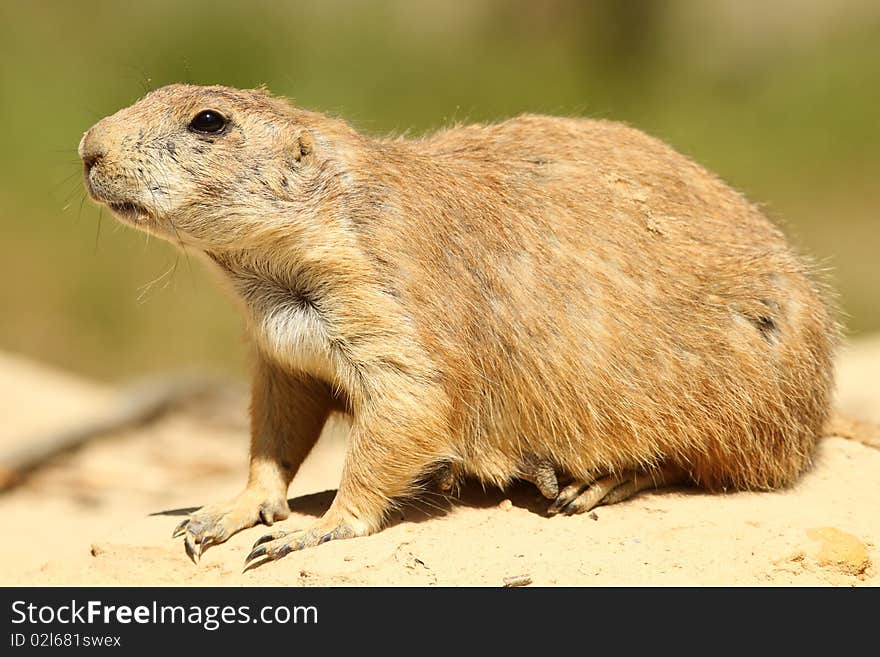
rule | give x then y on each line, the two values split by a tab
288	326
296	336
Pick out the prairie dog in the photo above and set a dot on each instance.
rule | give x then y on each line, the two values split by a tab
501	301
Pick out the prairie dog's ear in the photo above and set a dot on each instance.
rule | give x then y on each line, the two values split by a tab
302	147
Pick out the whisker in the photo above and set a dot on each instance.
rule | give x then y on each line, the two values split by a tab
98	231
68	198
145	81
81	203
168	274
64	180
182	245
180	242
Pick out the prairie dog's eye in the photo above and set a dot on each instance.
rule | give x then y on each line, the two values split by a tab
208	122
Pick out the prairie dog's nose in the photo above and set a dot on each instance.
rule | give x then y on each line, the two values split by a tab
90	150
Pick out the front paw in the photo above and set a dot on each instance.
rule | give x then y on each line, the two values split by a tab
215	523
278	544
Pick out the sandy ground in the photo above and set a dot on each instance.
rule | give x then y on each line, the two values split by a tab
104	514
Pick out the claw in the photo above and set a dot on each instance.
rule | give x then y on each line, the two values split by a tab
255	553
282	551
566	496
271	553
556	507
270	537
252	565
190	549
180	529
207	541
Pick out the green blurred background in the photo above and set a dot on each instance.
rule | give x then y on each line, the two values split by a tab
781	98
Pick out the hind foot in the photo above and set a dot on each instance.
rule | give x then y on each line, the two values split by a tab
448	477
543	475
580	496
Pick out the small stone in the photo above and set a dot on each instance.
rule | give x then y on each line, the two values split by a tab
593	515
517	580
505	505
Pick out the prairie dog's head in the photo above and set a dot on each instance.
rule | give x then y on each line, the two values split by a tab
203	165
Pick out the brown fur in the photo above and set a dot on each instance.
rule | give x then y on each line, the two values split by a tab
553	290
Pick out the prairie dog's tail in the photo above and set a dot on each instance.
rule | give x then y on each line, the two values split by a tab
861	431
